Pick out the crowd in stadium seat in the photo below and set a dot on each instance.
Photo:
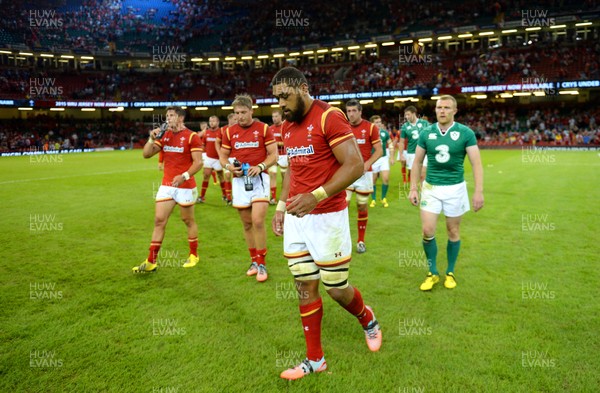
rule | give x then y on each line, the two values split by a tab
540	62
538	126
493	126
46	133
214	25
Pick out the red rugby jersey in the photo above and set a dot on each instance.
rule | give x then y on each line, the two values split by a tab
309	147
276	130
367	135
177	148
248	144
210	136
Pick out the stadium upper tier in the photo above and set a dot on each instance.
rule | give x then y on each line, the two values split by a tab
538	63
129	26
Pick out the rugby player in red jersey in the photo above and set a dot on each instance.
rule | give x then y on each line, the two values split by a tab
312	213
367	137
282	162
251	143
182	154
231	120
211	161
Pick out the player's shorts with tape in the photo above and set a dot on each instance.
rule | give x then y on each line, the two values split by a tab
410	160
182	196
363	185
316	241
212	163
382	164
282	162
452	200
261	191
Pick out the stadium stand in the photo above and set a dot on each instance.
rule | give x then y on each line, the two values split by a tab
120	30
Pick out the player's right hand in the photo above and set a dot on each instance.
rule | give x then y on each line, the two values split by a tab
154	133
277	223
413	197
236	171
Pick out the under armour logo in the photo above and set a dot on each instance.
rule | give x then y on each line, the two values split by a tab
287	135
338	254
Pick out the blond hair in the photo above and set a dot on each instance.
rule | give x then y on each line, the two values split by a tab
242	100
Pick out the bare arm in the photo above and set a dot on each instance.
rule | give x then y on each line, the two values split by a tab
415	176
348	155
279	217
192	170
374	157
401	149
475	159
269	161
150	148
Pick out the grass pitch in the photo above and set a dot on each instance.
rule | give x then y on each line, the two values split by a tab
524	317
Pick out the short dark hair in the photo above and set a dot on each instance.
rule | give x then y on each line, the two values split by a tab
374	117
178	110
355	103
410	109
291	76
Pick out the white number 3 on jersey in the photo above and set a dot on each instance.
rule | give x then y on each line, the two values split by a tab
443	156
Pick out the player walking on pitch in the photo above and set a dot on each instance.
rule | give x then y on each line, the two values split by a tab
410	132
252	144
282	161
382	165
324	159
445	143
211	160
182	154
367	137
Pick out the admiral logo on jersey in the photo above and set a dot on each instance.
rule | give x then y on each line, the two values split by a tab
246	145
300	151
173	149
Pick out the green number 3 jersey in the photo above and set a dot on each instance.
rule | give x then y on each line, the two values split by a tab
411	132
446	153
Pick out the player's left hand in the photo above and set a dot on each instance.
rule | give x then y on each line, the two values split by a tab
277	223
177	181
366	167
301	204
254	171
413	197
477	201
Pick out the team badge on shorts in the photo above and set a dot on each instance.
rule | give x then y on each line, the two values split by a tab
454	135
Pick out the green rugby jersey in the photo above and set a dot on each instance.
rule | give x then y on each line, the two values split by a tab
411	133
446	153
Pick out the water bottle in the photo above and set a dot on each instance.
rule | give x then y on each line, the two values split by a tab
248	186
